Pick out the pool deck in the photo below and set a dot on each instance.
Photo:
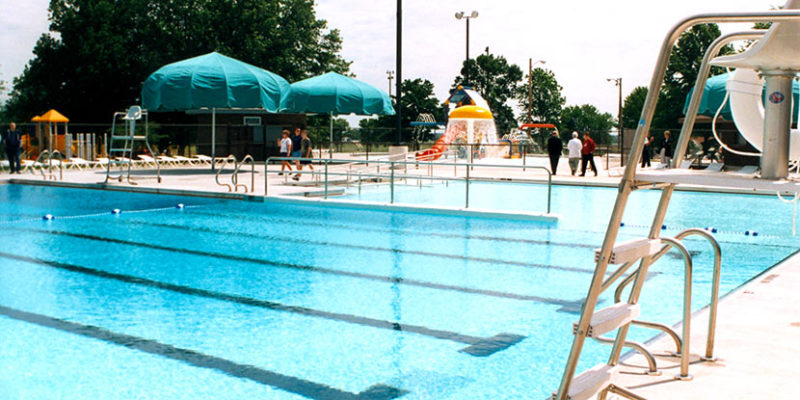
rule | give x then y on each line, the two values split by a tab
758	324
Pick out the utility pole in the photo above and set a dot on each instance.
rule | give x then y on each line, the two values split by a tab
399	69
530	87
462	15
620	132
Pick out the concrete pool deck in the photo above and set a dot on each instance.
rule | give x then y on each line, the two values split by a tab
758	324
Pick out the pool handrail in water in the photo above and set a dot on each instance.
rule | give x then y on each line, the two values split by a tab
392	176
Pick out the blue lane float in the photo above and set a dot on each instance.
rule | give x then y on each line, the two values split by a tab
116	211
179	206
48	217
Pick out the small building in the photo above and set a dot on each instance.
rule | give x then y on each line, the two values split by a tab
243	132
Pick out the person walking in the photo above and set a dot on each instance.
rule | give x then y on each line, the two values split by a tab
554	149
574	152
286	149
12	140
587	153
667	149
646	150
305	153
297	139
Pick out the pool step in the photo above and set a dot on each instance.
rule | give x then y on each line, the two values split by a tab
587	384
631	250
610	318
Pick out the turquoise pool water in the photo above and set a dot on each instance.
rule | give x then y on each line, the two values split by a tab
231	300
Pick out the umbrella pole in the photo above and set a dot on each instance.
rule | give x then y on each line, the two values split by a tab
330	147
213	135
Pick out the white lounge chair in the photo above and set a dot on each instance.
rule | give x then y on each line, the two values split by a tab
186	160
204	159
80	164
169	161
147	161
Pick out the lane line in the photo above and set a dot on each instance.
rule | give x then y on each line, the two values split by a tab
379	278
348	318
309	389
492	261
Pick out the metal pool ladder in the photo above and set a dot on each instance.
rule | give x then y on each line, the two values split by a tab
602	379
121	146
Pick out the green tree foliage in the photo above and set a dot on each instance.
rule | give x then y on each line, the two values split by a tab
684	64
632	107
99	52
546	95
319	130
586	118
418	98
497	81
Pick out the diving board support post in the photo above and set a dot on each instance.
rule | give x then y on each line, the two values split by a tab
567	388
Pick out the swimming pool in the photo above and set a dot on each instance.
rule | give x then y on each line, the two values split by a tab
228	299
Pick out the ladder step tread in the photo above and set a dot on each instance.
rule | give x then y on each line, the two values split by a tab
631	250
591	381
610	318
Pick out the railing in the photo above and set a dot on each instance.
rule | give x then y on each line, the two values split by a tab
235	176
41	163
221	168
682	345
392	175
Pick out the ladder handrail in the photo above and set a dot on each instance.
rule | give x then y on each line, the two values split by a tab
224	161
235	175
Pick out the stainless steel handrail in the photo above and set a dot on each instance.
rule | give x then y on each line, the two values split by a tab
235	175
392	175
219	171
652	367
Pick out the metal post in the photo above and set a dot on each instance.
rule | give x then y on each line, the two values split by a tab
213	136
391	182
466	58
399	69
326	179
524	156
549	187
266	183
620	129
466	195
330	148
777	128
530	90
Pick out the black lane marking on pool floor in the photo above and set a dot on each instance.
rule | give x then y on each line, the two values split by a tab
362	227
302	387
379	278
478	346
493	261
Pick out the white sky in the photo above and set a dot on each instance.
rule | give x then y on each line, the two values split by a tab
584	42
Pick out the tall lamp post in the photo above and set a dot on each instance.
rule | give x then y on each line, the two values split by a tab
530	87
620	131
462	15
399	69
390	76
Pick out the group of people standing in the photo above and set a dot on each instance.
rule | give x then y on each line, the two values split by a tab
666	149
576	151
297	146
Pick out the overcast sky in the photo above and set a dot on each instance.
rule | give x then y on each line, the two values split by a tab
583	42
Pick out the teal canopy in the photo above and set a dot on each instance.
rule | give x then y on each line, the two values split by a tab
332	93
714	94
213	81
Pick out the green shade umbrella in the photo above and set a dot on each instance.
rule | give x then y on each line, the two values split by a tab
714	94
334	94
213	81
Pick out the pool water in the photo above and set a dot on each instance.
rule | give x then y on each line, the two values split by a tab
228	299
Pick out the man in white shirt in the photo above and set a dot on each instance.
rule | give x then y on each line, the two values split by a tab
574	147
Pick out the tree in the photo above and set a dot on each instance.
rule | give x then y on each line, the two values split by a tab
684	65
100	51
497	81
546	95
418	98
632	107
586	118
319	129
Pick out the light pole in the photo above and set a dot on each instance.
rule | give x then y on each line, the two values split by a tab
399	68
462	15
530	87
390	76
620	131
